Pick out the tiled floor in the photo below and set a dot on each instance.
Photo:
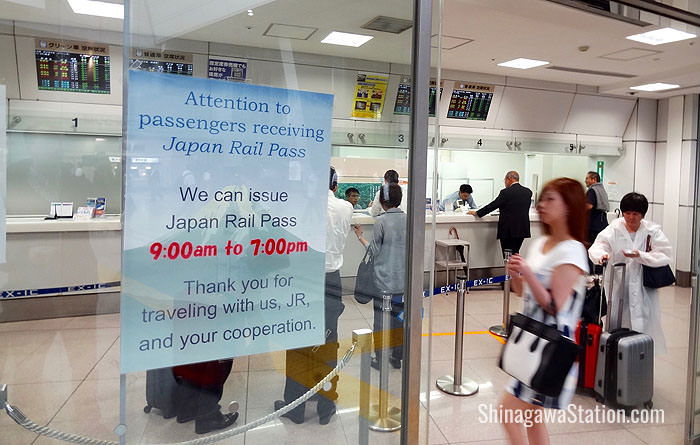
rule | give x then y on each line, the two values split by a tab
64	373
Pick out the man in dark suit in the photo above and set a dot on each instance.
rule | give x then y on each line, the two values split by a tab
514	220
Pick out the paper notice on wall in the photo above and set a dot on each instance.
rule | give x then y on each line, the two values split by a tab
224	232
3	170
613	191
369	96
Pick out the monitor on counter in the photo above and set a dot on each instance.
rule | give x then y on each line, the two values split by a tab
470	101
76	67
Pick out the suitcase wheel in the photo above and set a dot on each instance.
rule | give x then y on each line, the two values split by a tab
649	405
147	409
599	399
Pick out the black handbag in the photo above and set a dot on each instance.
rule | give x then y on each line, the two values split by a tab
365	286
595	305
537	354
656	277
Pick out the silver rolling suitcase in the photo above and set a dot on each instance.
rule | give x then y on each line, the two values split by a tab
625	368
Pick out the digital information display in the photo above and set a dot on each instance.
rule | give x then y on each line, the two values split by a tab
75	67
470	101
157	61
403	97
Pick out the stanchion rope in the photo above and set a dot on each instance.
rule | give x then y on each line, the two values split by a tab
26	423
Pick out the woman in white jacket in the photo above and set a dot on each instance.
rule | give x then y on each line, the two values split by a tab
625	240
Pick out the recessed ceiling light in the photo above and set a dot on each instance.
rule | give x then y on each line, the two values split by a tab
101	9
661	36
523	64
346	39
655	87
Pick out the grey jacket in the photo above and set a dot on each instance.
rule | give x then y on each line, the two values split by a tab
388	247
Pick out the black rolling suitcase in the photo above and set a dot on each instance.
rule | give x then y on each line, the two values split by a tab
160	391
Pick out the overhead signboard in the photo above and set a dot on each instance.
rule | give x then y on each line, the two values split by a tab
369	96
227	69
403	97
77	67
160	61
470	101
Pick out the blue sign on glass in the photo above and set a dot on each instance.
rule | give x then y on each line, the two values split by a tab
227	69
226	187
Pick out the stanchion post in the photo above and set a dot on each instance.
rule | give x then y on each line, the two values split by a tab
363	337
501	330
383	418
454	384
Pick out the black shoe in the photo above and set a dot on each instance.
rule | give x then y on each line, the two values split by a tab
217	421
325	418
296	415
184	418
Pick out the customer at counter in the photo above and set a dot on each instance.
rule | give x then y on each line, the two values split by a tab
597	204
375	207
514	220
305	367
388	248
464	194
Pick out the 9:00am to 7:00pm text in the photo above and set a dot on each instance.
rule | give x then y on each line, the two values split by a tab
256	247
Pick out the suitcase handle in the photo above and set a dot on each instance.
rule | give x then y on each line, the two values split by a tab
601	283
618	302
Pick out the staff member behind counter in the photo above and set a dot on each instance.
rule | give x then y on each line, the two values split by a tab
464	194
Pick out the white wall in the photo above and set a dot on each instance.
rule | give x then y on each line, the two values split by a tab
660	150
518	104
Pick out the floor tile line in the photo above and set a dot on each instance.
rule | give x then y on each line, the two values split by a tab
84	379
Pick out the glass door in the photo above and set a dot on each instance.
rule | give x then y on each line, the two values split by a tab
270	153
692	419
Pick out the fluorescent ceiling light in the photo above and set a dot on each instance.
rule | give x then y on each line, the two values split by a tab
346	39
101	9
523	64
661	36
655	87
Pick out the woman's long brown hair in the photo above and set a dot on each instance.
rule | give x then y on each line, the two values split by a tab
574	197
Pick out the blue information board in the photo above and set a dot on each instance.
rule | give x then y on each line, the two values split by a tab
224	220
